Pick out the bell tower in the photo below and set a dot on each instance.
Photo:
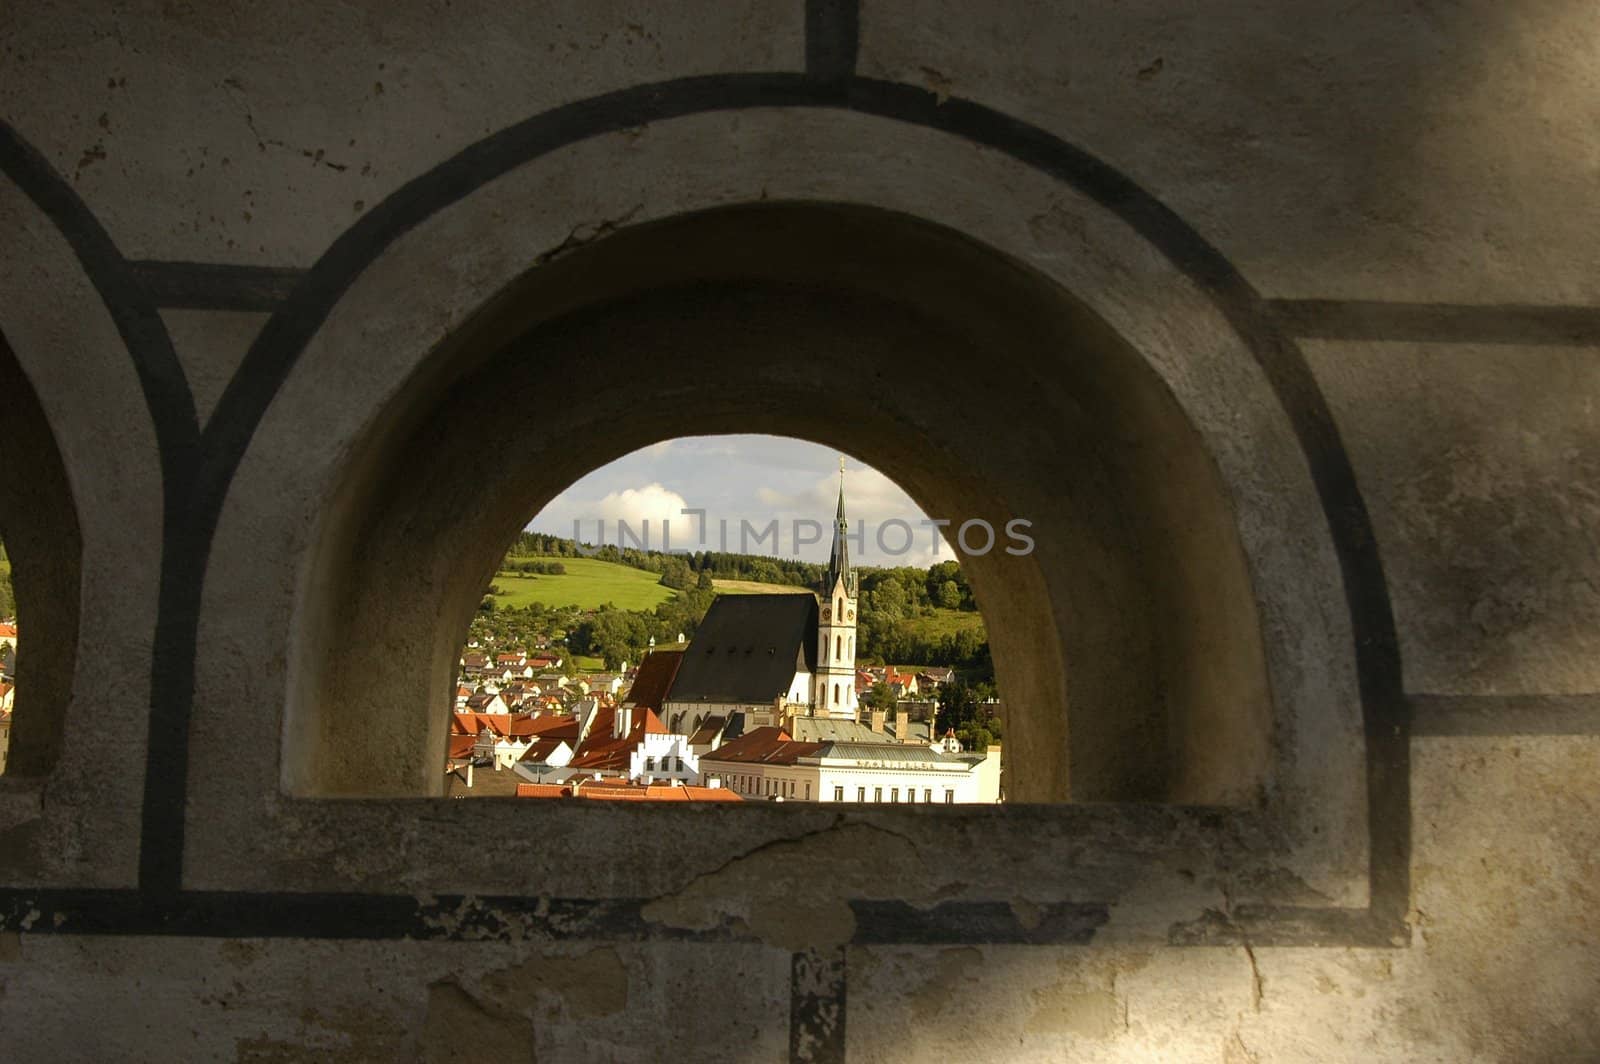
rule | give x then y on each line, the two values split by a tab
835	691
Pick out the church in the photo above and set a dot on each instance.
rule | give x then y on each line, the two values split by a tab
767	659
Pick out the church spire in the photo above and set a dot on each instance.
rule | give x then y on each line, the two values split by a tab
839	560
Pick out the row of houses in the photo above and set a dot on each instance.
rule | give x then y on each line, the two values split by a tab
720	729
903	683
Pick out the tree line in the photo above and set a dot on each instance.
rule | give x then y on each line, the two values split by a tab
893	602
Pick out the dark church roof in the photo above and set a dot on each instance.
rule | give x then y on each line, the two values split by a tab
748	649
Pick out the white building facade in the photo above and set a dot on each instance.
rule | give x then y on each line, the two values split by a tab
866	773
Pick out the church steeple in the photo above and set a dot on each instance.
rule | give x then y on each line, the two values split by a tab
839	560
834	691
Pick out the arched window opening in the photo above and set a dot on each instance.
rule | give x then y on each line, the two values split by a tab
1126	629
40	566
613	618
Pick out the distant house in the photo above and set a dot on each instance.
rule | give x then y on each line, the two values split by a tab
8	634
901	683
606	682
933	678
484	702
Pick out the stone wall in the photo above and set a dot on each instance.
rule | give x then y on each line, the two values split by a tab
1283	319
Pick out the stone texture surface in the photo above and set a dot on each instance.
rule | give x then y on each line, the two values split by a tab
1482	468
1365	151
1440	154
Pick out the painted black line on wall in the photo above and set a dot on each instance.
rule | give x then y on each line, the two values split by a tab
1444	323
161	377
1505	715
176	423
489	918
214	285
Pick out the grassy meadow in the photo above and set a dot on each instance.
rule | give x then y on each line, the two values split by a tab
587	584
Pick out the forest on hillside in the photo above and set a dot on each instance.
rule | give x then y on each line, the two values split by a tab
909	616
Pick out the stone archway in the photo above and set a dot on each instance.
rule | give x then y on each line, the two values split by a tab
1128	643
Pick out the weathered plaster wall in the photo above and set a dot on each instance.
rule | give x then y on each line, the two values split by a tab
1356	244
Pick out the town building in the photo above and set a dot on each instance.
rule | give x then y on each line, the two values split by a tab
770	763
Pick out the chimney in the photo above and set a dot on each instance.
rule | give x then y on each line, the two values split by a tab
880	720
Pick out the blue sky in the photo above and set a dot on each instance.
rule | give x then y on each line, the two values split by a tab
742	478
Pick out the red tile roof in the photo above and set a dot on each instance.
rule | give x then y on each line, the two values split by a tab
654	678
768	746
603	752
708	731
543	790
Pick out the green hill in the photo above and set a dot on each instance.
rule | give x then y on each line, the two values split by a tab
756	587
587	584
945	622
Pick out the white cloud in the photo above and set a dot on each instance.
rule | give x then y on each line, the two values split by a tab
645	511
757	479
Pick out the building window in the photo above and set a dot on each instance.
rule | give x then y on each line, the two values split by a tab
838	607
808	792
835	694
877	794
861	794
949	796
838	646
679	761
838	794
894	794
824	650
649	764
927	795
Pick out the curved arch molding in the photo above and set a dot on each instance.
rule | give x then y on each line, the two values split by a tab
199	463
